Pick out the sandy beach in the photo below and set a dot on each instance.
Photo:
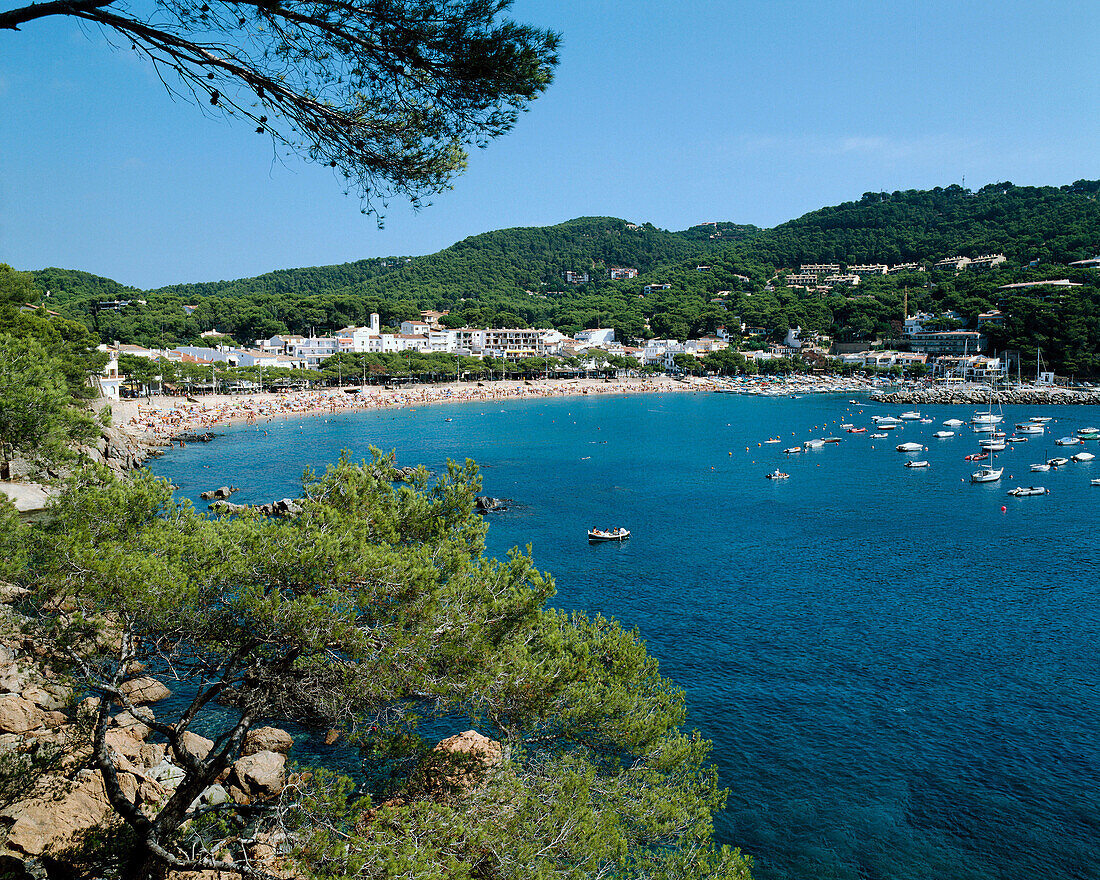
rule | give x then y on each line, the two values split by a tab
161	417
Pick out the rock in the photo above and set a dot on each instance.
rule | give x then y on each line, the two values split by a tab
144	690
485	504
168	775
260	775
267	739
126	742
52	823
331	737
220	493
473	753
199	746
127	721
18	715
49	697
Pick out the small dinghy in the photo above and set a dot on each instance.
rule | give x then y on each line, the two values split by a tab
596	536
1022	491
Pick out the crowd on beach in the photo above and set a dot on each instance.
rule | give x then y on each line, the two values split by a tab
167	417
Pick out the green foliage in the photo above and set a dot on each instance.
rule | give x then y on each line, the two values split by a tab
375	610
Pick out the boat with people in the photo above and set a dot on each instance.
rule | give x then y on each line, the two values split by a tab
1023	491
777	474
773	440
987	475
916	464
596	536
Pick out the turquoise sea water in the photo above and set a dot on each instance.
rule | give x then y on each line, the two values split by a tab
900	679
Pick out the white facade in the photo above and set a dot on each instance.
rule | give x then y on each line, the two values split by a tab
599	337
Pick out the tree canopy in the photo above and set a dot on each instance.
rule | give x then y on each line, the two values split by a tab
374	611
389	93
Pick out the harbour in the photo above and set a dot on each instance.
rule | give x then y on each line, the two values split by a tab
897	675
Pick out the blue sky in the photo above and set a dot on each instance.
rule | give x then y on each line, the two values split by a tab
753	111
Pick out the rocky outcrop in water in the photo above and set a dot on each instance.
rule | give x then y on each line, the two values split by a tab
981	396
485	504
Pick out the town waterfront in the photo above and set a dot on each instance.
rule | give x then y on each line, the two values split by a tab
898	676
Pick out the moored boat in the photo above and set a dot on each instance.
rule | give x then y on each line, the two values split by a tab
1088	433
916	464
878	436
1030	429
1040	468
1022	491
986	475
1058	461
1083	456
791	450
1068	441
777	474
992	445
954	423
1039	420
910	416
813	444
909	447
857	430
942	434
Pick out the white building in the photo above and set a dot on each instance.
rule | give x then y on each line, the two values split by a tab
597	337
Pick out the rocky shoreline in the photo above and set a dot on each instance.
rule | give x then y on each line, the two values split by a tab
978	396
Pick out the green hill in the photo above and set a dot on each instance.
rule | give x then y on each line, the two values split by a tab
688	282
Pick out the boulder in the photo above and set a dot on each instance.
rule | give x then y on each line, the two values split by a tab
127	721
144	690
260	775
199	746
18	715
267	739
465	758
48	823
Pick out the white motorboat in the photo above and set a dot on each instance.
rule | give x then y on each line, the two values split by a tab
777	474
831	439
983	428
916	464
1088	433
986	475
773	440
885	420
846	425
954	423
596	536
1039	420
911	416
792	450
986	418
1023	491
1030	429
1040	468
886	426
1095	482
1068	441
813	444
878	436
992	445
1083	456
942	434
910	447
1016	439
1057	462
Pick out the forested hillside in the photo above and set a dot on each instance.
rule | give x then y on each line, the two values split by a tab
715	274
